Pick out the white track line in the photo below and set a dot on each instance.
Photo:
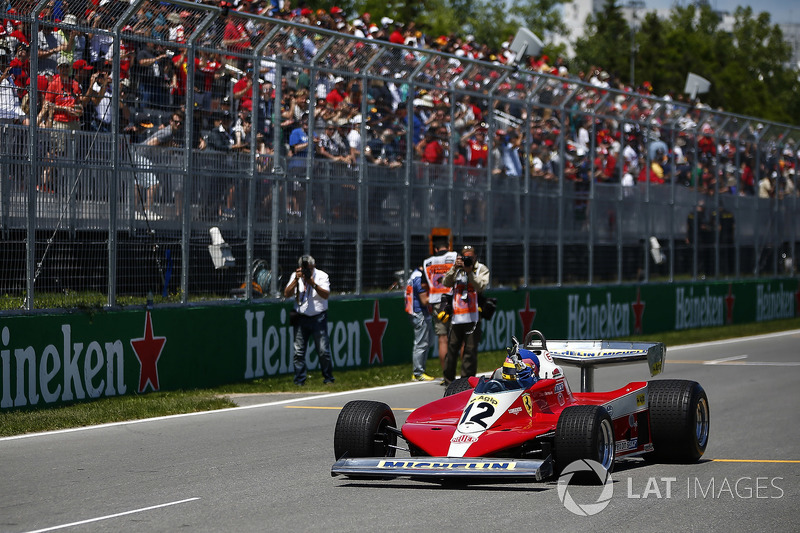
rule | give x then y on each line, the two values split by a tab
725	360
761	363
216	411
116	515
732	341
344	393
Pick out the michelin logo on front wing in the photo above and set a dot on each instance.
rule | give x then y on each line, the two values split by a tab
467	465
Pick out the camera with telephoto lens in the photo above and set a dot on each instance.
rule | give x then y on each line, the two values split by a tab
306	269
468	261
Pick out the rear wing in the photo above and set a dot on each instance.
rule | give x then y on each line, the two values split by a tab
587	355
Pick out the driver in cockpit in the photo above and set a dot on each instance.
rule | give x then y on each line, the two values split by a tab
524	377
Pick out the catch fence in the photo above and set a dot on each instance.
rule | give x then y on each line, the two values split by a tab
553	180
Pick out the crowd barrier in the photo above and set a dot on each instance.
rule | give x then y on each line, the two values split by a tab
533	169
59	358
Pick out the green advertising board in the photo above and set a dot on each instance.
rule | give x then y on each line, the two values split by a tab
51	359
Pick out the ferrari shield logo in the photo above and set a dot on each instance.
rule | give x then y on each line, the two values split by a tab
526	400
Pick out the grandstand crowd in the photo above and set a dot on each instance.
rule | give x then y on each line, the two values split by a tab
75	86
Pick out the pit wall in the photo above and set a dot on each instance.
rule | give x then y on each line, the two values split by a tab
52	359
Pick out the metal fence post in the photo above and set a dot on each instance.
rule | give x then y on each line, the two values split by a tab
526	195
71	139
590	207
361	217
33	157
185	205
113	183
410	168
5	184
252	170
278	177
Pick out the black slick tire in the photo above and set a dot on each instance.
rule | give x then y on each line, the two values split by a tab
584	432
679	420
361	430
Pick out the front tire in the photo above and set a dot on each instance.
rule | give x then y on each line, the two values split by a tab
584	432
362	430
459	385
680	420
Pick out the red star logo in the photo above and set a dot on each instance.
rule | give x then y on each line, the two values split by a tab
638	311
729	299
527	315
148	351
376	328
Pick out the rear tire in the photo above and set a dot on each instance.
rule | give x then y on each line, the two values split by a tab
459	385
361	430
584	432
680	420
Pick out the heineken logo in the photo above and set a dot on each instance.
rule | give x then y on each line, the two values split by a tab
698	310
269	347
73	368
774	304
587	319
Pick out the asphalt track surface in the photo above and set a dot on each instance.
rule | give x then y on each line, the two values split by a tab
266	467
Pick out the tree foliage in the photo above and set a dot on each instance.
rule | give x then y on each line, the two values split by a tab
542	17
492	22
400	10
606	43
748	66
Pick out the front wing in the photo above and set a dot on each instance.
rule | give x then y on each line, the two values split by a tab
485	469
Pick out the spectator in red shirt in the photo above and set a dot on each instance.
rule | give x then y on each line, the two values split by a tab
605	164
207	70
243	91
655	174
396	36
21	66
748	178
338	94
477	149
127	53
63	99
706	143
430	148
179	76
63	110
236	38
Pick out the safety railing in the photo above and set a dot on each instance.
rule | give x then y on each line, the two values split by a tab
154	122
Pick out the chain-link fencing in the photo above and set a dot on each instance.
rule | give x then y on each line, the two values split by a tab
176	152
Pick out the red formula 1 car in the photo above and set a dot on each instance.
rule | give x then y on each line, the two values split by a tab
524	422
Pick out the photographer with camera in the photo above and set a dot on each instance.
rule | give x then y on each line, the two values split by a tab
311	289
468	278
